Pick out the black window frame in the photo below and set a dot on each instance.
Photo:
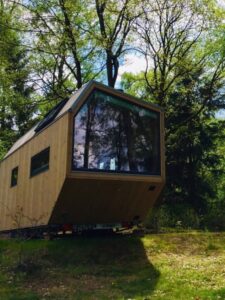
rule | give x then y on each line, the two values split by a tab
14	181
38	170
155	174
50	116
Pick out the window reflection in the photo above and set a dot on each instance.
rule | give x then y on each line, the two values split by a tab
111	134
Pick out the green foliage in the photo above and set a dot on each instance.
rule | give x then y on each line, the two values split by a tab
216	205
16	107
179	216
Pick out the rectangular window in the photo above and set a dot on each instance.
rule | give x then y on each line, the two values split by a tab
40	162
115	135
14	176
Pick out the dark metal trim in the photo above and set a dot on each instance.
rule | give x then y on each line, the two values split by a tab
43	168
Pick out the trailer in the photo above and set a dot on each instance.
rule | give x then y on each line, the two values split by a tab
96	160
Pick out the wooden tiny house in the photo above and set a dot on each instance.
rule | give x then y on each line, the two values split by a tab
95	159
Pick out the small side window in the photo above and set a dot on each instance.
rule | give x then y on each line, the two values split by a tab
14	176
40	162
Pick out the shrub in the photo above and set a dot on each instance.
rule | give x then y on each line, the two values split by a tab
179	216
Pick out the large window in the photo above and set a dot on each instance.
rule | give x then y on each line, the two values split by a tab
40	162
14	176
114	135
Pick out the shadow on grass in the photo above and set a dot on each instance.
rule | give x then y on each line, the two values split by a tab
116	266
106	267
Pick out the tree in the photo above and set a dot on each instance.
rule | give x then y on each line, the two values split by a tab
75	41
191	146
16	107
170	32
63	56
115	21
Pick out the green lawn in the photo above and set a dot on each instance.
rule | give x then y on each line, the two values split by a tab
164	266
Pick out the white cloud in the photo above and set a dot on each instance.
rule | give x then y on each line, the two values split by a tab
221	3
133	63
221	114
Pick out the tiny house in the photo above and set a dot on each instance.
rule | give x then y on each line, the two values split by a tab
95	160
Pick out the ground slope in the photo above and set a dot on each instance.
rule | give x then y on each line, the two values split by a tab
180	266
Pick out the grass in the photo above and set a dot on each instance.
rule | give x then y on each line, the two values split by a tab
170	266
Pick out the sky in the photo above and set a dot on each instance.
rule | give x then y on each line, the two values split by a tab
221	2
133	63
221	114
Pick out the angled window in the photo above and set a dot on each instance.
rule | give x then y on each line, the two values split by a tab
14	176
40	162
50	116
115	135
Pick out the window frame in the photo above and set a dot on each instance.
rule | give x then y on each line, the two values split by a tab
112	172
34	172
12	183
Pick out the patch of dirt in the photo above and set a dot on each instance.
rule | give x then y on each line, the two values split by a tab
88	283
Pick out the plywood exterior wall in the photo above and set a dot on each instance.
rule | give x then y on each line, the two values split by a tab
99	201
36	195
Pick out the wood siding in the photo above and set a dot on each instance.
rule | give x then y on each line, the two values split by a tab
31	201
96	201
